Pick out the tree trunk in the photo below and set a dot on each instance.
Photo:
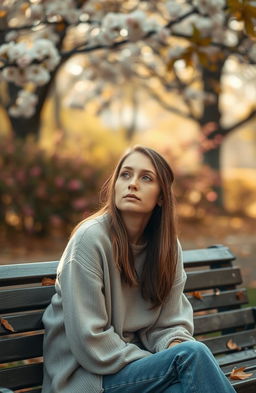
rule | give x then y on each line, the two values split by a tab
211	158
23	127
211	126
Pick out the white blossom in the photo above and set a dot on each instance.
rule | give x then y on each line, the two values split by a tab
15	111
11	35
14	74
175	52
110	29
48	34
36	11
204	25
135	23
64	8
44	49
16	51
25	104
210	7
175	10
37	74
192	94
26	98
5	48
41	49
72	16
252	53
24	60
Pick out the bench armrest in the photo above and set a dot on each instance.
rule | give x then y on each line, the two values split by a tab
5	390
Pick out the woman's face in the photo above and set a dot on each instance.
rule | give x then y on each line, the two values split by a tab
137	188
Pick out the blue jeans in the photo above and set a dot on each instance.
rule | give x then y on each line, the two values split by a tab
188	367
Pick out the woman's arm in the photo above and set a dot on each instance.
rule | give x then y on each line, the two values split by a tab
91	337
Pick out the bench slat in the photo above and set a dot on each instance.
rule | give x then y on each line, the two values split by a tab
22	299
22	377
20	348
27	272
214	278
222	299
245	339
237	357
33	272
248	363
224	320
246	386
23	322
207	256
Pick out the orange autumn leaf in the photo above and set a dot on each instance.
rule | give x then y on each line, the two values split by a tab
46	281
238	373
232	345
240	295
6	325
197	295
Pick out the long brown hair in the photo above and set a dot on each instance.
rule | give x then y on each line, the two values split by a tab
159	270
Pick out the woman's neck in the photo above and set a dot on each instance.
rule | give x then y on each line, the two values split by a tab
135	225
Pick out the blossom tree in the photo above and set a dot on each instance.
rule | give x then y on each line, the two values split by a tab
176	48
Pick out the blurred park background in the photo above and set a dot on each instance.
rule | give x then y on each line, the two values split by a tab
80	81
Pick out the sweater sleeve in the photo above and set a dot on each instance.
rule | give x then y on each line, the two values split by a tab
93	341
175	320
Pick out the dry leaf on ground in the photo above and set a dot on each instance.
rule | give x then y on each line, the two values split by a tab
238	373
6	325
46	281
232	345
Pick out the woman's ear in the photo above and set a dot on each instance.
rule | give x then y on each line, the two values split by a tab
160	200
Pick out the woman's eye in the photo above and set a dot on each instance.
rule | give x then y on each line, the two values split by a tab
147	178
125	174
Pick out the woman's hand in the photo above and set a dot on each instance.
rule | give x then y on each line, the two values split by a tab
174	342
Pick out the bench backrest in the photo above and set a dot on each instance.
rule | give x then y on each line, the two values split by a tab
211	288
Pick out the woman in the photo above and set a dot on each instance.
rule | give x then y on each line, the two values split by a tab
119	321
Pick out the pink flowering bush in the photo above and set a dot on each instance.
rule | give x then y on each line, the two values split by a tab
40	192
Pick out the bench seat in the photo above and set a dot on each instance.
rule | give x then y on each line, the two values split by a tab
222	318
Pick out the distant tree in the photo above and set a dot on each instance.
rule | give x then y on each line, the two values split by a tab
173	48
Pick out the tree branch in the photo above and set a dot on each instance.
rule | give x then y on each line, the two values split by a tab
227	130
168	107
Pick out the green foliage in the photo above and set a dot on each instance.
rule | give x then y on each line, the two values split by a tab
252	296
39	191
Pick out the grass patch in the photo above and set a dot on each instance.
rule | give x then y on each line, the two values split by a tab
252	296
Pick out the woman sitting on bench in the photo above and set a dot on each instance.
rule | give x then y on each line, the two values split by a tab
119	321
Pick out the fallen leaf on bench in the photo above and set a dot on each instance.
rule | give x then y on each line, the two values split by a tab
6	325
240	295
238	373
197	295
232	345
216	291
46	281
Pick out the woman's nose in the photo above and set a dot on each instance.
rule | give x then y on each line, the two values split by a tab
133	184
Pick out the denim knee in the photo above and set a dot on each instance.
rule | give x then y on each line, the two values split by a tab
194	350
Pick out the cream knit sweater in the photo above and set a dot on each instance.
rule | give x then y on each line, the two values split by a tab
95	325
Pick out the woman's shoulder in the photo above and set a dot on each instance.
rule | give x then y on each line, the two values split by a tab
93	229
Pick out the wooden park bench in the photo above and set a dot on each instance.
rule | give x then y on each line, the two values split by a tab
222	321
